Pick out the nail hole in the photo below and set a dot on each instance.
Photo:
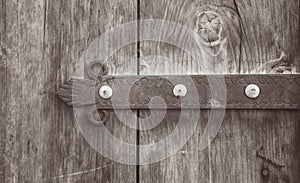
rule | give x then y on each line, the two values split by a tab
265	172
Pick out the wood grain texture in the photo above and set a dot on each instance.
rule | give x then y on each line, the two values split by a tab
254	145
270	28
253	142
41	43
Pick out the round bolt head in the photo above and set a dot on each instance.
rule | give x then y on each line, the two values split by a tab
180	90
105	92
252	91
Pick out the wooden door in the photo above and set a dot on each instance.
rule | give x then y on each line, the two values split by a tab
42	41
252	145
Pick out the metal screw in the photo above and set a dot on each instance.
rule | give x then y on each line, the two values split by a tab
180	90
252	91
265	172
105	92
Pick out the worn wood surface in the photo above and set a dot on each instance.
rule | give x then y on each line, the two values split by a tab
254	145
41	42
271	30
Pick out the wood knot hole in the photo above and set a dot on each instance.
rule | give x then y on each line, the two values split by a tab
209	27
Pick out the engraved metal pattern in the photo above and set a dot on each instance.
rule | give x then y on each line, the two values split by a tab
277	92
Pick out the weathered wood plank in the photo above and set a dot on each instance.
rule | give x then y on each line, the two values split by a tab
271	34
249	142
257	146
41	42
22	97
271	38
190	164
4	50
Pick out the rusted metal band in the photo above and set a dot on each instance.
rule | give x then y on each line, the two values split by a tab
276	92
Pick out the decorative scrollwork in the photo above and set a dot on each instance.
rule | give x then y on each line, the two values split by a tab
277	92
81	92
77	92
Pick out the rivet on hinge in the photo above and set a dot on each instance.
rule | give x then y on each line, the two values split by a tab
252	91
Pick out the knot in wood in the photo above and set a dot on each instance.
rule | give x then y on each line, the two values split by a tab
209	27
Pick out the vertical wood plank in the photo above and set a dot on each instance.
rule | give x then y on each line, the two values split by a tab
4	51
271	28
41	43
270	41
251	146
190	164
257	146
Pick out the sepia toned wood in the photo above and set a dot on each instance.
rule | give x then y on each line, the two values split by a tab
190	164
42	41
252	145
41	44
270	39
271	34
256	146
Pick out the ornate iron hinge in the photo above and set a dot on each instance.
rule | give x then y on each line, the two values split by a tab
107	92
